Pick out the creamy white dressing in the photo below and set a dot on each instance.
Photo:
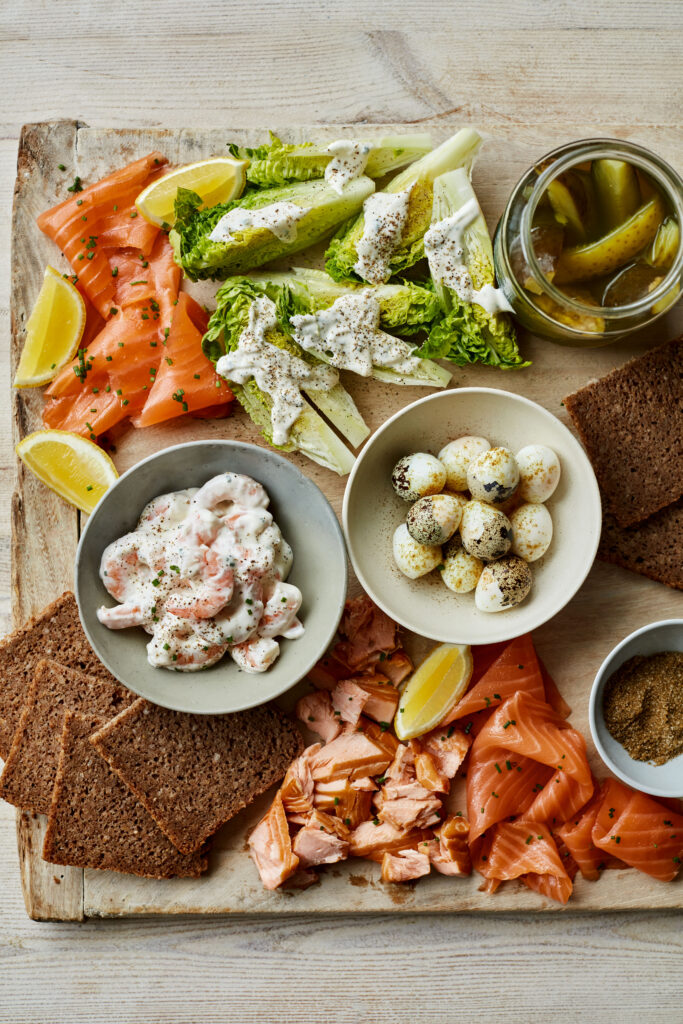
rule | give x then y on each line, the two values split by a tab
279	218
349	159
278	373
384	217
348	336
203	572
445	250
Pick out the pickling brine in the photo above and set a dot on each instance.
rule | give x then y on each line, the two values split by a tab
204	573
589	246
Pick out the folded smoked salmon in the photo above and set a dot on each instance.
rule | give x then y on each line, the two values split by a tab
141	356
534	811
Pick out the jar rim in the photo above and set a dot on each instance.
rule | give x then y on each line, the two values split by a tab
598	148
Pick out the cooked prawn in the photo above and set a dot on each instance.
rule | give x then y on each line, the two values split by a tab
122	616
279	614
211	596
255	655
229	488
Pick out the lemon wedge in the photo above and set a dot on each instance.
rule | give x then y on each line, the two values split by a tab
219	180
71	465
53	332
433	689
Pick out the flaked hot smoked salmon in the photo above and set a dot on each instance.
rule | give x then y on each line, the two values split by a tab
271	847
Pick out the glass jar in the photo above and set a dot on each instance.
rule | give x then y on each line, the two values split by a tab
541	306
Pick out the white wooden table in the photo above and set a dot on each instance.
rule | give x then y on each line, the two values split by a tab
175	64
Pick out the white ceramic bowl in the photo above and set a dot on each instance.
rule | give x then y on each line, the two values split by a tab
372	511
659	780
319	570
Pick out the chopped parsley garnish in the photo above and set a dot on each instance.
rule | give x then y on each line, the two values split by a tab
76	187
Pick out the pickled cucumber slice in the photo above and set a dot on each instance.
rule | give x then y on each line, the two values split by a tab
666	244
614	249
618	192
571	205
579	321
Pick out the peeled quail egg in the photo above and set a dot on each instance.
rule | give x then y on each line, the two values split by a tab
434	519
493	475
411	557
456	457
503	584
539	472
461	571
418	475
486	532
532	531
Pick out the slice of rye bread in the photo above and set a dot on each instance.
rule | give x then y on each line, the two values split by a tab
195	772
55	633
96	822
31	766
631	424
653	548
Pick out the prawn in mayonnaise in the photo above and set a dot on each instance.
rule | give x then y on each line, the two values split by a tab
204	573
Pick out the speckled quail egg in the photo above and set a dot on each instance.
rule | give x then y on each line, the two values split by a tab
539	472
434	519
411	557
485	531
532	531
456	457
503	585
417	475
461	571
493	476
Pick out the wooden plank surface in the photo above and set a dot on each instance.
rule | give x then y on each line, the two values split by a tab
569	645
527	61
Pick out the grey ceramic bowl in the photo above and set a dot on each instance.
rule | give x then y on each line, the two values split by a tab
307	521
372	511
659	780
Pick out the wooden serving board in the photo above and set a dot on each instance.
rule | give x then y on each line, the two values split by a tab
611	604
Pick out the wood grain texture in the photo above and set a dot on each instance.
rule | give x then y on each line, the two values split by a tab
290	61
570	647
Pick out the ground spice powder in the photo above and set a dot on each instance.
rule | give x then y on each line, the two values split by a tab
643	706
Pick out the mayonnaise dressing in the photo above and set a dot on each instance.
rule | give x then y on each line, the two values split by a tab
445	250
279	218
348	162
203	572
348	336
384	217
277	372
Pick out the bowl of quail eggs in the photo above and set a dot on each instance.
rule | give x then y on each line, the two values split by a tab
472	516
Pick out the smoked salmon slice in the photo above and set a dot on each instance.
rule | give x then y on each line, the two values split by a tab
106	206
577	835
185	380
515	669
524	850
529	728
639	830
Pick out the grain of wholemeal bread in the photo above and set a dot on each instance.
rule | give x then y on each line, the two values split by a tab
96	822
31	766
653	548
55	633
631	424
195	772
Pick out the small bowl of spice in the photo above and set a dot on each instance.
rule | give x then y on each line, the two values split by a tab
636	709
